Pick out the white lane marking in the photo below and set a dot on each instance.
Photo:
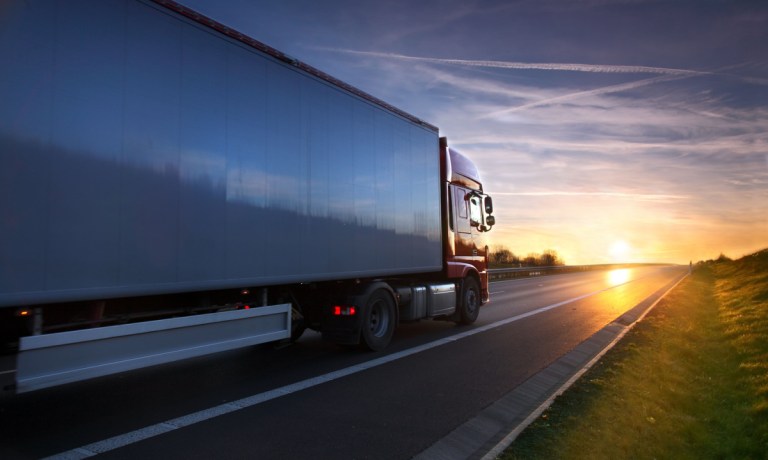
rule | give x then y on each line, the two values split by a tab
141	434
498	292
12	371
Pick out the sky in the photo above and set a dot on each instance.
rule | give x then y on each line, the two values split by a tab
606	130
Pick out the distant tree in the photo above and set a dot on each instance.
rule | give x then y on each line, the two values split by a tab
723	258
550	259
531	260
500	255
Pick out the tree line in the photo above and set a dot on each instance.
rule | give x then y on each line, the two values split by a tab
500	256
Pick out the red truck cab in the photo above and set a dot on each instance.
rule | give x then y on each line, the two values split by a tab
468	215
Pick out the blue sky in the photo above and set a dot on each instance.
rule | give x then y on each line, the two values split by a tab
608	130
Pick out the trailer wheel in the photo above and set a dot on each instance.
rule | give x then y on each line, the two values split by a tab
297	329
469	304
378	320
298	322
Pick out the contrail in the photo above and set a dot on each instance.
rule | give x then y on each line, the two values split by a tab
572	67
591	92
665	74
636	196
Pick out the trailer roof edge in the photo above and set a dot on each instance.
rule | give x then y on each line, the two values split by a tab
253	43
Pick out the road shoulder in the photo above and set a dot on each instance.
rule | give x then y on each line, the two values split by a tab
489	433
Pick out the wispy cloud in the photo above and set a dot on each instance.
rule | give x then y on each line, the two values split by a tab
623	195
593	92
666	74
571	67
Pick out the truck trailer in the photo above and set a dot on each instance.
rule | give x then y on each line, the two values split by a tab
170	187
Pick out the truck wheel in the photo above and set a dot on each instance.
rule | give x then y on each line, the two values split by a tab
378	320
469	306
298	324
297	330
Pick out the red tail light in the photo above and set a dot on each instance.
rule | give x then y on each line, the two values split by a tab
347	310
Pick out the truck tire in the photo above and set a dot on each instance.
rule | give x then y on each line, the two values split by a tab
298	324
378	320
469	303
297	330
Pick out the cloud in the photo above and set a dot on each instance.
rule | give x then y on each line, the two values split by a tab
665	75
571	67
592	92
631	196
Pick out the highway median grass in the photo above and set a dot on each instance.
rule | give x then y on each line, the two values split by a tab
689	381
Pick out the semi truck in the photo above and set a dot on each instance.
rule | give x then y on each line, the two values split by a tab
170	187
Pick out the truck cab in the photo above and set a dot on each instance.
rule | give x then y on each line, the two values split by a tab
469	218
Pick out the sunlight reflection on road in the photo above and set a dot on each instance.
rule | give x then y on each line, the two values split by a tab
617	277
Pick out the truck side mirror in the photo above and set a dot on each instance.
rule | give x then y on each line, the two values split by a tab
488	205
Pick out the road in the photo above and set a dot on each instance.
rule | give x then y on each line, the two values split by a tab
314	400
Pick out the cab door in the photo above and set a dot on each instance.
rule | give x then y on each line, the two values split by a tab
464	244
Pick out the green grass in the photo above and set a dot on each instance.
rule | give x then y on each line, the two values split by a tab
689	381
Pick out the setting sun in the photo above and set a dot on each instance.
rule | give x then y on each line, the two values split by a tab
619	251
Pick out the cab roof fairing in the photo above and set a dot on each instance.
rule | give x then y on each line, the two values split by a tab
463	166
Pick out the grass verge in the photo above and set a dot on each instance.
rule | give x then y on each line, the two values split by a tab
689	381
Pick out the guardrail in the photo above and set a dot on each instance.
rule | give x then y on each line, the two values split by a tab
496	274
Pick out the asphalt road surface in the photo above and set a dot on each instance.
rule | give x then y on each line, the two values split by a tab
315	400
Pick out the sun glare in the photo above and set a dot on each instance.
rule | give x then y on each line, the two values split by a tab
619	251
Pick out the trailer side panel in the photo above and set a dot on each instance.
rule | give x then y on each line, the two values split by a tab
143	153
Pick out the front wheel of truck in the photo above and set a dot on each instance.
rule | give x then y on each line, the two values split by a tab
469	303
